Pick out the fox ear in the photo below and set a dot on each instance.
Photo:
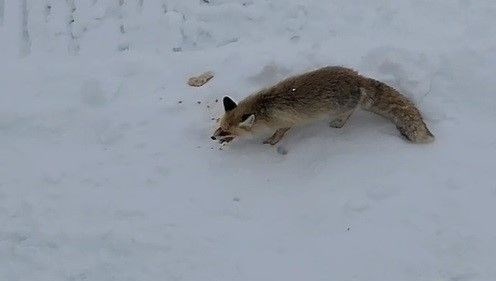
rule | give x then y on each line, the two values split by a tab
247	121
229	104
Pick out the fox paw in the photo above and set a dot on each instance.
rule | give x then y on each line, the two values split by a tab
269	141
337	123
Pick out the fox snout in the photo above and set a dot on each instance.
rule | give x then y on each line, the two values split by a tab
222	136
232	125
223	139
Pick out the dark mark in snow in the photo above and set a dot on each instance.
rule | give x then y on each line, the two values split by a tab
282	150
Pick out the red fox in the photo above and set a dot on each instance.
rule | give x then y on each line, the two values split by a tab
331	92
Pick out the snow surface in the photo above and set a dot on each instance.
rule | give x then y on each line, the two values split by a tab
105	175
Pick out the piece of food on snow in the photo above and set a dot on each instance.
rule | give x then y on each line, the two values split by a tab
198	81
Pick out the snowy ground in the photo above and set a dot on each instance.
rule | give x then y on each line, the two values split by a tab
104	175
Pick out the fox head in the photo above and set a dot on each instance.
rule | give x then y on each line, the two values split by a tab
234	123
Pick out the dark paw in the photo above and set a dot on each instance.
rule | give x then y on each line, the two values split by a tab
271	142
338	123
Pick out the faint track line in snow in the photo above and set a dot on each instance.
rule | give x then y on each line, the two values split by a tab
73	44
2	9
25	47
164	8
48	9
124	44
429	90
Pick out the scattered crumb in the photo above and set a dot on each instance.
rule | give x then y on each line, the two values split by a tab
180	101
198	102
216	100
200	80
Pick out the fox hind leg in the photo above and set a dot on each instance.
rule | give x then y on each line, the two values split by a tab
340	120
276	137
348	107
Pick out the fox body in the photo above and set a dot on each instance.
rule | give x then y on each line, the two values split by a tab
328	93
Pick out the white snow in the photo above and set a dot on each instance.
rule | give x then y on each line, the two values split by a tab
104	175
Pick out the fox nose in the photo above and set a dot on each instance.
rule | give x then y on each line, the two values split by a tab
213	138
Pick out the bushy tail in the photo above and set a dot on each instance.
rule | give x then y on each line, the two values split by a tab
388	102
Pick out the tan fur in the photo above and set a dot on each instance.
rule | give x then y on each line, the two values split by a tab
329	92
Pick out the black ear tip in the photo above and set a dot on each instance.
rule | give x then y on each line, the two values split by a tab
229	104
227	100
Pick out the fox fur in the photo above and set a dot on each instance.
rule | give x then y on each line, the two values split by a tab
332	93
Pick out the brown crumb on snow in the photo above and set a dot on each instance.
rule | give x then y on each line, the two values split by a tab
198	81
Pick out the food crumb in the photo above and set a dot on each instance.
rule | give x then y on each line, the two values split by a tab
198	81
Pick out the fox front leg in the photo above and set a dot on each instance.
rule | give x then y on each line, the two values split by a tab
276	137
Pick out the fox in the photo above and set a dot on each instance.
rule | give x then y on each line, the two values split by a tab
330	93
